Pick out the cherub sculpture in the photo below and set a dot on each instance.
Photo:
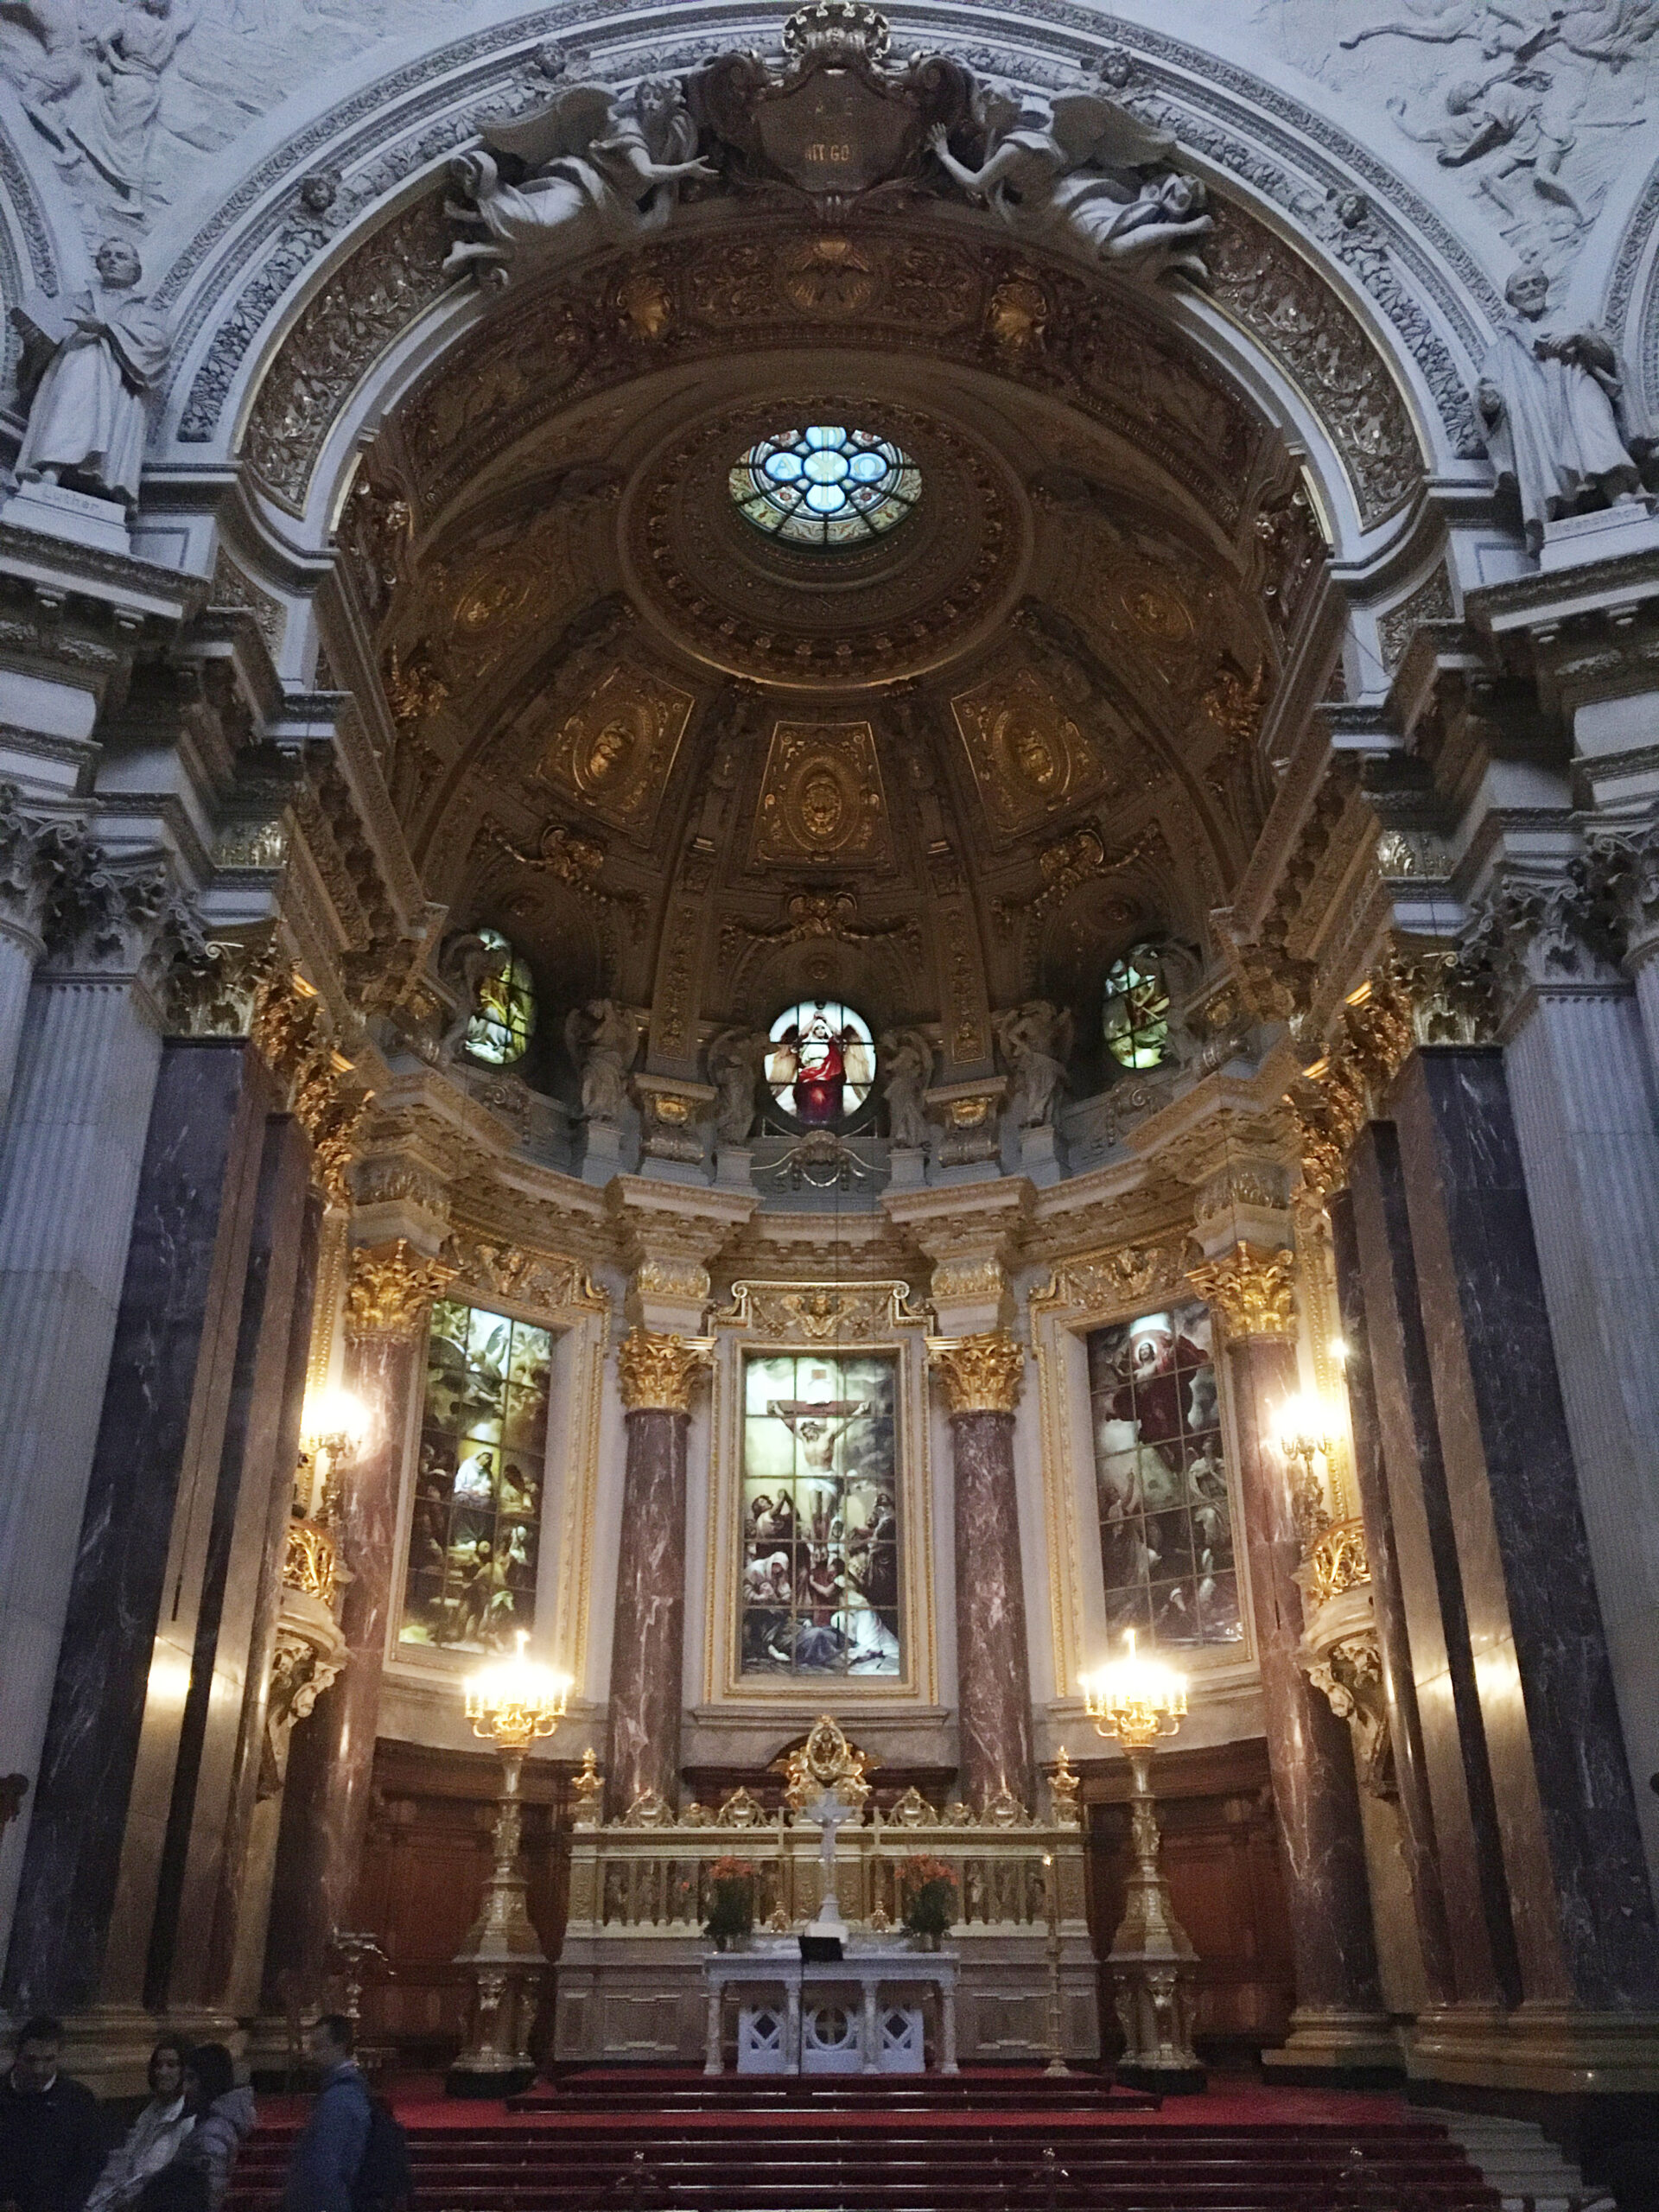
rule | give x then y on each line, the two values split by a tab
907	1064
734	1061
1036	1039
596	170
603	1039
1077	163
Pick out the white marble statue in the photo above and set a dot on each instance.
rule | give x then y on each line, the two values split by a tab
734	1062
107	348
1074	163
603	1039
1562	421
1036	1042
599	171
907	1064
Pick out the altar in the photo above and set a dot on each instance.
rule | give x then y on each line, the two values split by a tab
827	2037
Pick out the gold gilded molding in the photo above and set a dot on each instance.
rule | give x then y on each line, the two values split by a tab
1252	1288
656	1373
1338	1560
289	1027
1112	1279
821	798
1375	1029
1030	758
981	1374
390	1289
848	1313
309	1561
546	1280
614	753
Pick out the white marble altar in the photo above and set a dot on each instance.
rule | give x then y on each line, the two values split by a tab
868	1968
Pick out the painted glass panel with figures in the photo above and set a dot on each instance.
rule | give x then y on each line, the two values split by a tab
1165	1511
819	1593
471	1581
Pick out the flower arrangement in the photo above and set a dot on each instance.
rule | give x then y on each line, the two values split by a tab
927	1894
731	1899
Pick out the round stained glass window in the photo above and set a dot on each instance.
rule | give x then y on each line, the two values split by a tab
825	485
820	1062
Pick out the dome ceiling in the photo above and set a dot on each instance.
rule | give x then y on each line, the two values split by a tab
998	740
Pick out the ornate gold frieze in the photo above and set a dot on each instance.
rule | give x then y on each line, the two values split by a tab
1252	1288
547	1281
390	1288
1338	1560
822	798
981	1374
1107	1279
656	1373
848	1312
614	752
1030	756
955	1280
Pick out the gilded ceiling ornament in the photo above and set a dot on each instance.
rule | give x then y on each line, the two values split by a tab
614	753
828	275
817	914
1017	317
1252	1288
390	1289
1073	860
1030	758
1235	702
822	798
656	1373
981	1374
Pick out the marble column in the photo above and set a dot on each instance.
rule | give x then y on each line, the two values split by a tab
1580	1900
94	1871
656	1373
1338	2025
70	1158
982	1376
1388	1604
331	1767
26	851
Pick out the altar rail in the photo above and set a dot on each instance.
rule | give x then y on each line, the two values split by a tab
635	1878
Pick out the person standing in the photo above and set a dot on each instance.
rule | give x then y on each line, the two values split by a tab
224	2115
51	2140
329	2155
154	2139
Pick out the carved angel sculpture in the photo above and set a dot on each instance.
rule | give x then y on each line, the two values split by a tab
105	350
734	1061
603	1039
907	1064
1036	1042
597	171
1077	163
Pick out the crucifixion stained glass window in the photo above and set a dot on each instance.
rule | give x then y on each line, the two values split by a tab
820	1516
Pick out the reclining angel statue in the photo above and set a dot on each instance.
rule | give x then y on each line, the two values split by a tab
1074	163
598	171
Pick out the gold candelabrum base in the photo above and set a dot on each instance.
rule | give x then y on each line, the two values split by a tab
504	1955
1152	1963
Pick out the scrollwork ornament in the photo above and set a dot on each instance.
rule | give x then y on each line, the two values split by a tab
656	1373
390	1287
1252	1288
981	1374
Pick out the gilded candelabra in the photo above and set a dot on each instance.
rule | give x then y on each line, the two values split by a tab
335	1429
513	1703
1152	1962
1303	1432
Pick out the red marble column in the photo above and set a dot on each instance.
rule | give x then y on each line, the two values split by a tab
1340	2022
981	1376
655	1374
326	1800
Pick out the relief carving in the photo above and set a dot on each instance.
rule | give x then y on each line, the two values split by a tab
1030	758
789	1312
821	798
615	752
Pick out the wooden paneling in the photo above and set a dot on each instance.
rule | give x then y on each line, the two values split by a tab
1221	1854
424	1867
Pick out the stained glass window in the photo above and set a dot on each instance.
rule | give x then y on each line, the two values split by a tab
825	485
1137	1009
471	1581
820	1563
501	1027
1160	1473
820	1062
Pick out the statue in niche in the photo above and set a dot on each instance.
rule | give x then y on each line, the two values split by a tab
1036	1042
596	170
105	350
603	1039
1562	419
1077	163
907	1062
736	1056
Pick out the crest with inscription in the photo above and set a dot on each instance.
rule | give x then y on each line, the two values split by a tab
614	753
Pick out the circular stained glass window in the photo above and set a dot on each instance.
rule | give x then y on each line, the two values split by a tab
825	485
820	1062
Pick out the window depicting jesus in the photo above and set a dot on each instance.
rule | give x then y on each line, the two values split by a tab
820	1063
819	1589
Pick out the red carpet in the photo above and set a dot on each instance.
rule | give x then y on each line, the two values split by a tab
613	2139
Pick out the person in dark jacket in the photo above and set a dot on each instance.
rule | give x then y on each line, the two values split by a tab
329	2151
51	2136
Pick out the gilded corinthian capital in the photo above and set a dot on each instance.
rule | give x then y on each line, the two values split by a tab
981	1374
1252	1288
390	1287
656	1373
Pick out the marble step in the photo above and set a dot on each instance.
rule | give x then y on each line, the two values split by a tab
1530	2173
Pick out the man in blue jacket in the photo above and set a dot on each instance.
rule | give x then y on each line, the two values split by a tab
329	2152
